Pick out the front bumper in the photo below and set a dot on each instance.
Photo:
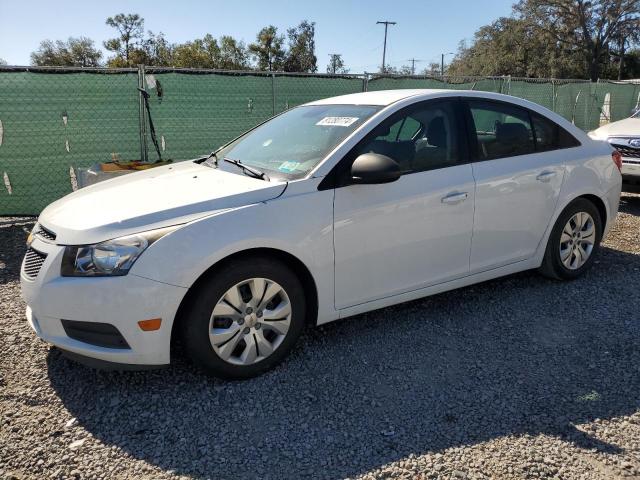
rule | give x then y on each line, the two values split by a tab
119	301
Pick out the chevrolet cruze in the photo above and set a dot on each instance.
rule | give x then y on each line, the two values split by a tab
328	210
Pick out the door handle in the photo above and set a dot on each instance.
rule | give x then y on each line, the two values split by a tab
546	176
454	198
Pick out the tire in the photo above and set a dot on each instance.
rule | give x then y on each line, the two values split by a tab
573	265
256	323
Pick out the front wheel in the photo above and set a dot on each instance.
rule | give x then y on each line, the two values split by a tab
245	318
573	242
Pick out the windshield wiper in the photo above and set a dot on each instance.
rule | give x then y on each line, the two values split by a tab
253	172
208	157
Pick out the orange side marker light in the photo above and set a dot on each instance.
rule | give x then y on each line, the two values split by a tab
150	325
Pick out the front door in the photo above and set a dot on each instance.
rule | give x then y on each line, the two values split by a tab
415	232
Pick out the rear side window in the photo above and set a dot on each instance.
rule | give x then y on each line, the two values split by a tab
501	130
551	136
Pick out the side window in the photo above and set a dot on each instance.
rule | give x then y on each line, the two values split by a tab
422	138
404	129
550	135
501	130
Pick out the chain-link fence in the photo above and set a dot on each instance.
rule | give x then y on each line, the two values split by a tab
54	121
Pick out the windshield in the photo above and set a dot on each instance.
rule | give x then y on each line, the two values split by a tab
290	145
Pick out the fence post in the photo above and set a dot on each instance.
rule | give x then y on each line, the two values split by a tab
365	82
142	119
273	93
553	94
575	105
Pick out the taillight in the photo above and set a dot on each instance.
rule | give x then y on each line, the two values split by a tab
616	156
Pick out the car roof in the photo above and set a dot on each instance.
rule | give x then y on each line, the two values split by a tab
387	97
380	97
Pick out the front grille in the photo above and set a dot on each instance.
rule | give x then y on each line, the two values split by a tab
33	261
44	233
627	151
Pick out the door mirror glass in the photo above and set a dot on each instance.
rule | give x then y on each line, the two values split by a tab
372	168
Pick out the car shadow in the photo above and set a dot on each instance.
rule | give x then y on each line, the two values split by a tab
629	203
13	242
518	355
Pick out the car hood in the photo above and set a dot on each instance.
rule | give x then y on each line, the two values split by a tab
154	198
629	127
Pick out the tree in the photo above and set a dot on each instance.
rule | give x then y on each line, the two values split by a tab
3	61
233	54
199	53
75	52
336	64
301	56
156	50
433	70
268	50
208	52
510	46
555	38
588	27
130	31
627	35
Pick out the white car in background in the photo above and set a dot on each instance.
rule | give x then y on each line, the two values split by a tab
331	209
624	136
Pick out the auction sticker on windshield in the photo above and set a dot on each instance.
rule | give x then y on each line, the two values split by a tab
338	121
288	167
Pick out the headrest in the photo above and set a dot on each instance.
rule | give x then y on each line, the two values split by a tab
437	133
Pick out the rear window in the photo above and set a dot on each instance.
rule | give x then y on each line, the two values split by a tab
551	136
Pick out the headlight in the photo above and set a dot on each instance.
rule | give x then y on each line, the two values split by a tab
31	234
111	258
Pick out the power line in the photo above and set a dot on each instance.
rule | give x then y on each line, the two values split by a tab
386	24
413	64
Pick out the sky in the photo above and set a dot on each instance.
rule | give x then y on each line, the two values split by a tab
424	30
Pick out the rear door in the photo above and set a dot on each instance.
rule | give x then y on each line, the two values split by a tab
518	172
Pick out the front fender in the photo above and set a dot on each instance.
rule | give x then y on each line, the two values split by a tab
300	224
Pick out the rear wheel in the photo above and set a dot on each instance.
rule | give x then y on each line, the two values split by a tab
573	242
245	319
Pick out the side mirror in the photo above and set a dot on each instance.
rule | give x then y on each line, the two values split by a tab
372	168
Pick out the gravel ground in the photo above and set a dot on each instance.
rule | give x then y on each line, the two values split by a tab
521	377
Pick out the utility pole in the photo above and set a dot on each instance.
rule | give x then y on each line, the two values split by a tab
442	63
413	64
386	24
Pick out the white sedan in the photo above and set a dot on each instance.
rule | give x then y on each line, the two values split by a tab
624	136
331	209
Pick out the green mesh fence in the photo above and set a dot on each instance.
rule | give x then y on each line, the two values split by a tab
54	121
291	90
198	112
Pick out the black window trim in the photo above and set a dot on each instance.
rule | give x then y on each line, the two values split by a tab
335	178
472	140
